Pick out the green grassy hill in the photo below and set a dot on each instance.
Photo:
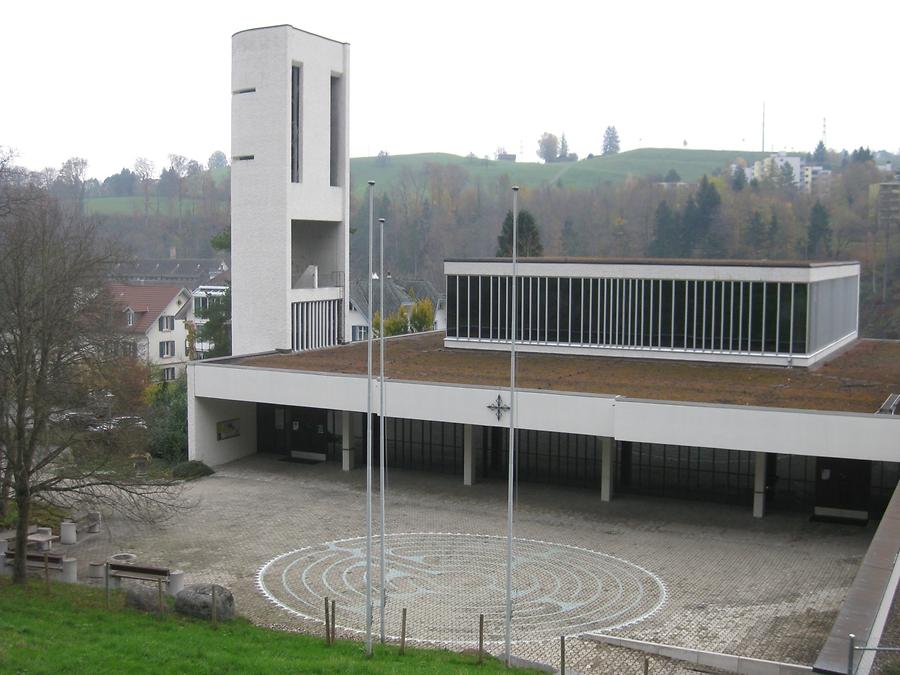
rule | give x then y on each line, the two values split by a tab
690	165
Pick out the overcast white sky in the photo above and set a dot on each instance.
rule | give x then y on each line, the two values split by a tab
111	81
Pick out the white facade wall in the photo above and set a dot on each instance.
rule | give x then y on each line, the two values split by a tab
600	270
179	335
267	207
756	429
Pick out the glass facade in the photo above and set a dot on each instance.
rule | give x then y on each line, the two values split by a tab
654	314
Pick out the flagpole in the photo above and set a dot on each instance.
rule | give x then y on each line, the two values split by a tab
512	433
381	447
369	436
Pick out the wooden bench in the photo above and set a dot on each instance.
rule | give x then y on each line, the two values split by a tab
47	561
118	571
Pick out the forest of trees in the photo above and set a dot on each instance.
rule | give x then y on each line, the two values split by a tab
440	210
147	208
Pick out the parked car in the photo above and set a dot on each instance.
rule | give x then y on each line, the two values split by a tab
123	422
74	418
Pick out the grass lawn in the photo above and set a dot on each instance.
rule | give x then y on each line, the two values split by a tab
68	630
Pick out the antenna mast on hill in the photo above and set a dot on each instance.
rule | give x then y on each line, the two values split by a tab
764	127
823	133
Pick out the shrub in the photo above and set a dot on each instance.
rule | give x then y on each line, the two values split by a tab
191	470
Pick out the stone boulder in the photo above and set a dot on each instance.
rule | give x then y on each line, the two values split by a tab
144	598
196	601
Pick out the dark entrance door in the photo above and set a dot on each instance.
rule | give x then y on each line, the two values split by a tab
842	488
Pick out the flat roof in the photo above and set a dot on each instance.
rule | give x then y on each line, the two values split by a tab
858	379
697	262
287	25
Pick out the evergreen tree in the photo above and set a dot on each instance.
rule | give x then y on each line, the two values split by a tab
563	148
667	242
528	237
862	155
217	328
757	236
610	141
739	179
785	178
819	233
700	215
570	239
820	154
672	177
773	229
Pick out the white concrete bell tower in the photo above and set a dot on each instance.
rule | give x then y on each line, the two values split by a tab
290	197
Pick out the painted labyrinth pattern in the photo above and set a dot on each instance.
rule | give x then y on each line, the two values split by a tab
446	580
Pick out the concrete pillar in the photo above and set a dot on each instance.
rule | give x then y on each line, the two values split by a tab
346	440
176	582
468	463
69	571
606	470
759	486
67	533
96	570
94	521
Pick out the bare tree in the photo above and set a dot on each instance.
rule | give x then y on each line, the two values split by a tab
143	168
57	338
74	173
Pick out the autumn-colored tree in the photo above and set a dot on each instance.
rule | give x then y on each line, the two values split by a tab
548	147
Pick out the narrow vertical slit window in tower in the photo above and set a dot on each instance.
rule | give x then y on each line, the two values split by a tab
296	97
337	122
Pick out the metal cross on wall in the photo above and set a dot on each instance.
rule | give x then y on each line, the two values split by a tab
499	407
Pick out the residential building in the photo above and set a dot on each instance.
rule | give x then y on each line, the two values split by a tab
398	294
773	165
187	272
815	179
152	319
202	297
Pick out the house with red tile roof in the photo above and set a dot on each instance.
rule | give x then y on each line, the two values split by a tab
153	319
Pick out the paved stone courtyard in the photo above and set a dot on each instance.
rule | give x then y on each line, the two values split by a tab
284	535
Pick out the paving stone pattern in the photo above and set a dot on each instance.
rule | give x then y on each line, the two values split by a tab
765	588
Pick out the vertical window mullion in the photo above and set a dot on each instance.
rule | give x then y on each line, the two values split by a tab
722	318
590	308
750	316
546	310
762	337
558	309
777	317
791	340
731	317
458	335
479	307
581	314
696	284
703	328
